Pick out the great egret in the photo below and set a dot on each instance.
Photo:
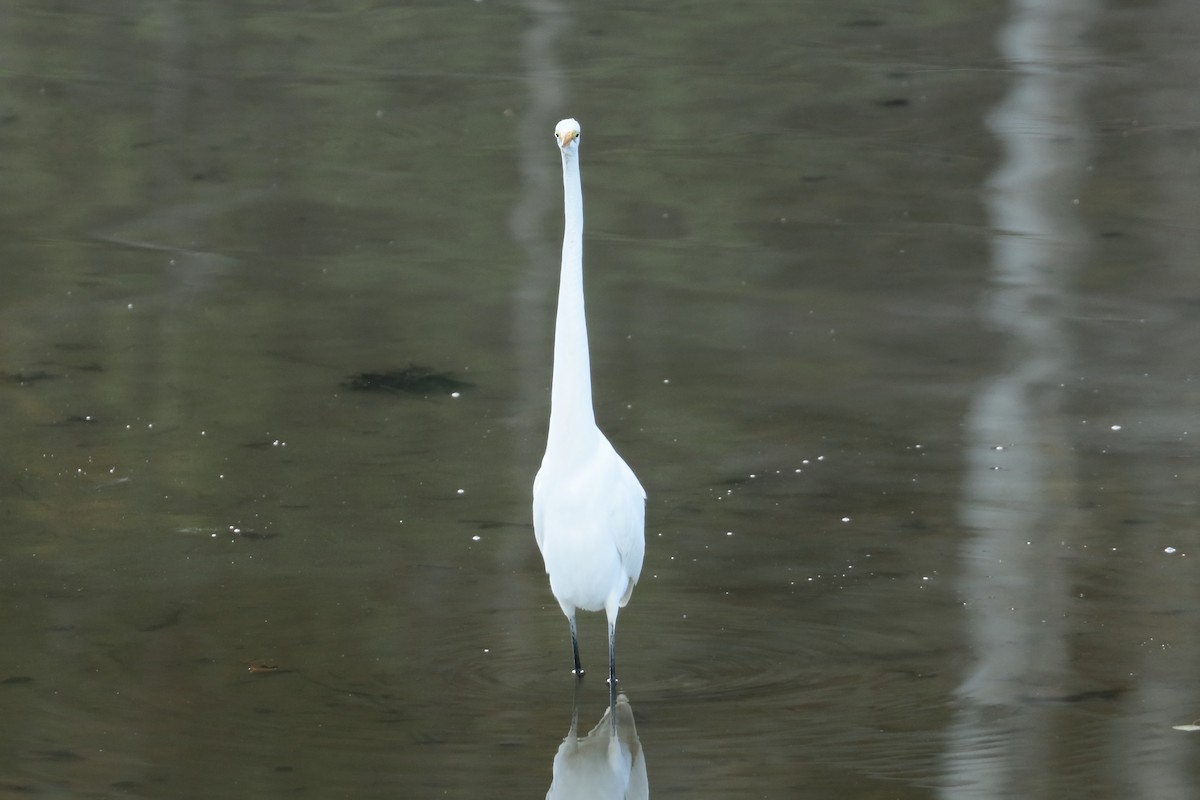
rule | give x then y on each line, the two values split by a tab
589	510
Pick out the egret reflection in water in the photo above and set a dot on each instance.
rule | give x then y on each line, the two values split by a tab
608	763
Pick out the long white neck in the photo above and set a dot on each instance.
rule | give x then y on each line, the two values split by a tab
572	421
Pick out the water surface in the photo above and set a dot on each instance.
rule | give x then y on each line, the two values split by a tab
892	311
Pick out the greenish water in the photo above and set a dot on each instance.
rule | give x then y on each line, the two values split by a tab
892	310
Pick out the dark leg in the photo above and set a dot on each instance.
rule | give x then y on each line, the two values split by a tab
612	670
575	646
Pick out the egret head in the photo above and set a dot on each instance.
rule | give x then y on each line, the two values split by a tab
567	133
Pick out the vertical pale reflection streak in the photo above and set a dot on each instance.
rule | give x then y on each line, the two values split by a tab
1019	502
540	194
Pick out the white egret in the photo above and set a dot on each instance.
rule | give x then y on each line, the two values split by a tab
589	510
